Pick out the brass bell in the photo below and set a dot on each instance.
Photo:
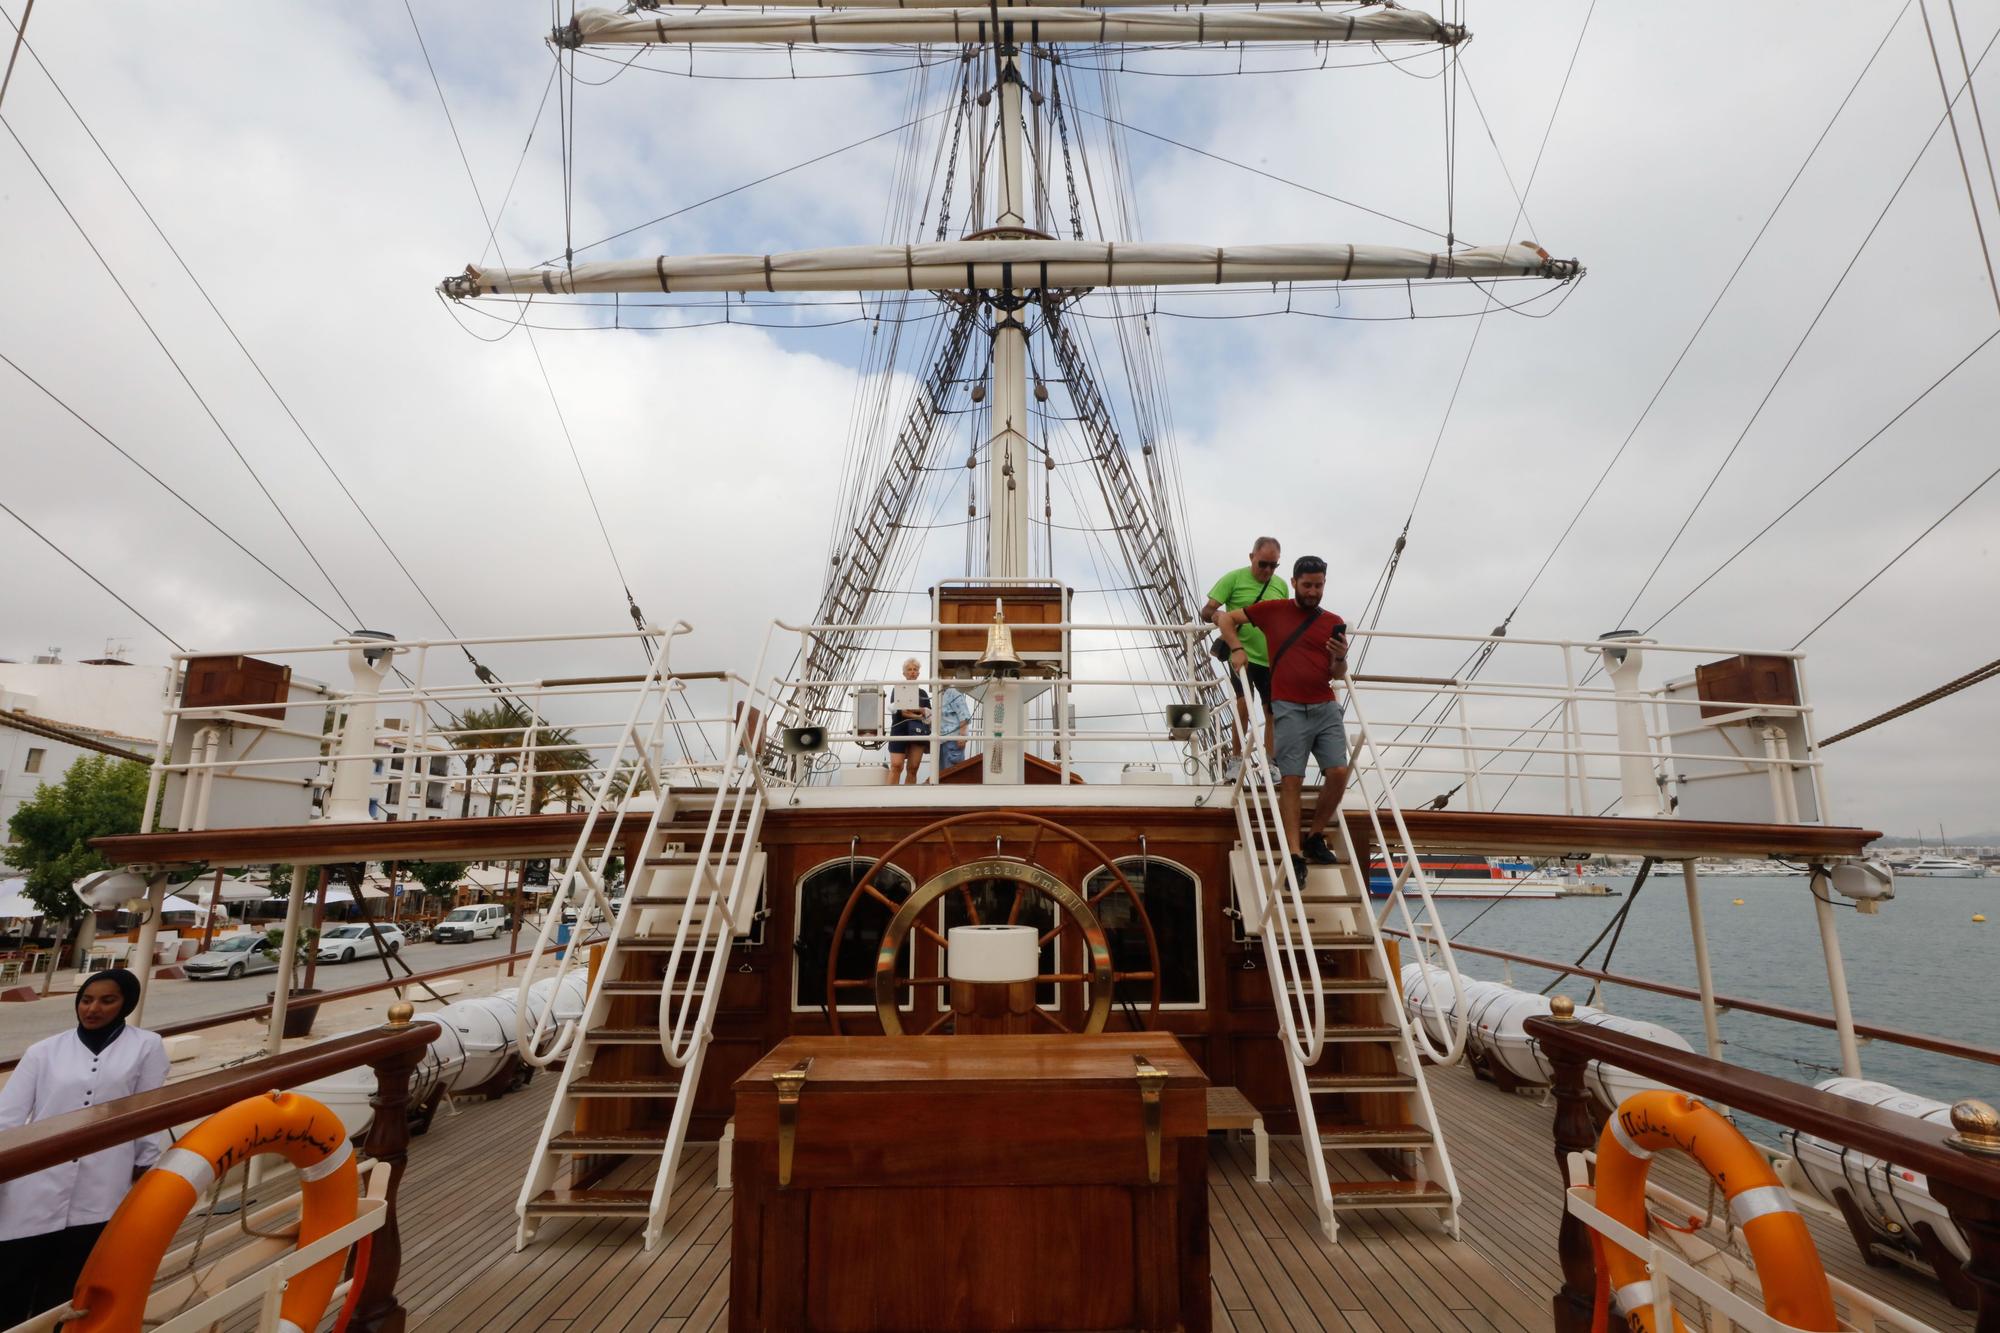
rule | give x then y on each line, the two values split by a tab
999	659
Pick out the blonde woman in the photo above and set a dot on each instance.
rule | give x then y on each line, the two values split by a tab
909	725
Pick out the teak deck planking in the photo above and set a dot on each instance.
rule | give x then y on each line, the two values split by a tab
1269	1270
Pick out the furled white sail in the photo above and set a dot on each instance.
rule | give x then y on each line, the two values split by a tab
1037	23
1016	265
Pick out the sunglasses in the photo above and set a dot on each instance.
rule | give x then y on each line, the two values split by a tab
1265	564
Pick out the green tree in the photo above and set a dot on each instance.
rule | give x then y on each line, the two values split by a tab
439	878
98	796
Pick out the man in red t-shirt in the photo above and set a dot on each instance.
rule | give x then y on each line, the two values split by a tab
1308	647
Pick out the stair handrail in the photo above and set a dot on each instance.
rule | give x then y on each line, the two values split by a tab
740	800
531	1027
1260	825
1412	869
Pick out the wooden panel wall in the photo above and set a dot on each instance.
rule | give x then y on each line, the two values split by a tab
1234	1037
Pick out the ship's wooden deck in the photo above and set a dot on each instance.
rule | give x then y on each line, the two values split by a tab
1270	1269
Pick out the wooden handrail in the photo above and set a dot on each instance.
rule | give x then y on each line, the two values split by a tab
393	1051
260	1012
1966	1183
1922	1041
46	1143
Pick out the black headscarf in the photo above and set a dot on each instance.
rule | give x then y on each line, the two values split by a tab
128	986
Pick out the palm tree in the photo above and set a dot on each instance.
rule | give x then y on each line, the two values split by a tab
560	765
561	769
498	731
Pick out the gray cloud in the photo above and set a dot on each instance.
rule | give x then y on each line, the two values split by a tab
303	167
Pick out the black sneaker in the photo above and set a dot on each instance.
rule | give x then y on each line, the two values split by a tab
1299	869
1319	853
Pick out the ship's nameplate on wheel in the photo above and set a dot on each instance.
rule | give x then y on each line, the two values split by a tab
1000	1183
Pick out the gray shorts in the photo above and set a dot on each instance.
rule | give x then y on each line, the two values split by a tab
1318	730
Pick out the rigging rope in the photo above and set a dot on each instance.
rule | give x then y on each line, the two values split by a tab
1893	560
37	534
1971	195
1472	344
174	361
1783	370
20	36
492	230
255	365
1946	690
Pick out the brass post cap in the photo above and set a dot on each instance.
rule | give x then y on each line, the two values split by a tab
1562	1009
400	1013
1977	1125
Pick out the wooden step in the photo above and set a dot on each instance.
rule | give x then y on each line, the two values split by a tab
657	1086
664	943
622	1036
1343	1083
1375	1136
1356	1194
591	1203
1353	985
1350	1032
721	857
649	989
1337	899
1348	941
610	1141
656	900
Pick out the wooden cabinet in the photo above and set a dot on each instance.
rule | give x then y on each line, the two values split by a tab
1002	1182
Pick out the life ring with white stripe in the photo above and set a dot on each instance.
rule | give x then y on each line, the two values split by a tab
118	1277
1788	1264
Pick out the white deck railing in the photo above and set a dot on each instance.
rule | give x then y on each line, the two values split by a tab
1530	725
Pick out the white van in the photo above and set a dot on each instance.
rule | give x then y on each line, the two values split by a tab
479	922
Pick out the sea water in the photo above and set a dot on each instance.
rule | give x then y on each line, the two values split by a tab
1919	964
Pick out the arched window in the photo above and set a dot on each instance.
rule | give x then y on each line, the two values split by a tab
823	892
1172	896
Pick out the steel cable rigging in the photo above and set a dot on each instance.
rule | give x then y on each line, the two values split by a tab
305	435
1379	599
76	565
625	586
174	361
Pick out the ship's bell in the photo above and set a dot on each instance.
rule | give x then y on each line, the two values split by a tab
999	659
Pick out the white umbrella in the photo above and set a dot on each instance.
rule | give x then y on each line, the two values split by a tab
234	890
340	893
175	903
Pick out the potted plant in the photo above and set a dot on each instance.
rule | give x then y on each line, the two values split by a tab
298	1017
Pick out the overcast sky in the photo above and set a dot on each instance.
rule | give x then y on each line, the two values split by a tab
303	167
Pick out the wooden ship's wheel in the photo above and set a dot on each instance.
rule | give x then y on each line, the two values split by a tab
1075	916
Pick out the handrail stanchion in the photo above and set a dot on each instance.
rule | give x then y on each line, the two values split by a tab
1413	868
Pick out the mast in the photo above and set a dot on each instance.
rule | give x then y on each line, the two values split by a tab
1007	469
1002	269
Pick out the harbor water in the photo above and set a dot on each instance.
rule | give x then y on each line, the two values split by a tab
1921	964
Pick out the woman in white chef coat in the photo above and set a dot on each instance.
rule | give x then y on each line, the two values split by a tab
49	1221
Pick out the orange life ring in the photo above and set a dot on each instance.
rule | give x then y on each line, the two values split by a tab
1788	1264
118	1277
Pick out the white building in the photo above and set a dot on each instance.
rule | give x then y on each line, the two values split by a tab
112	703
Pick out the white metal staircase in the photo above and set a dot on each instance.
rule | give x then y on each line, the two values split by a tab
686	902
1333	988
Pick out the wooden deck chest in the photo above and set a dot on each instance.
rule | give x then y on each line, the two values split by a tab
998	1182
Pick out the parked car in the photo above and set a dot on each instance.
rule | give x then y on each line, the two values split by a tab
233	956
481	921
344	944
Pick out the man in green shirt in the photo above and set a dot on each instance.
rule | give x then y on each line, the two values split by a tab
1256	582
